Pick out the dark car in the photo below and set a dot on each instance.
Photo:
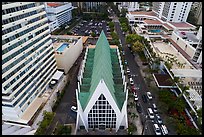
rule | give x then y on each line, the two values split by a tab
145	63
139	108
144	98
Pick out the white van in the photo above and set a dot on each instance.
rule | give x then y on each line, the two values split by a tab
150	113
164	130
157	129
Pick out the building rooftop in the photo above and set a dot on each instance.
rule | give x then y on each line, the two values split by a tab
167	26
163	80
51	4
100	63
150	13
188	36
62	42
182	25
187	73
152	22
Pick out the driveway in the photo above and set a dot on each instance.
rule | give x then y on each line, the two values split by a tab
64	115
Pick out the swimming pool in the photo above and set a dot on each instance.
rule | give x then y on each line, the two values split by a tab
155	30
62	47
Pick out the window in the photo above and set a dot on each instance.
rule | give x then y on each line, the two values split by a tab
106	114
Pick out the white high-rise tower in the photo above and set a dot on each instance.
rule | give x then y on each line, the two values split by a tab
172	11
28	61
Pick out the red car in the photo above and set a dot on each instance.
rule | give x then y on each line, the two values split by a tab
133	88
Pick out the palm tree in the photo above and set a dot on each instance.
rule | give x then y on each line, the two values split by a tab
133	115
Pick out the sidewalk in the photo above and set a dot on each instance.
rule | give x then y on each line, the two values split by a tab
136	121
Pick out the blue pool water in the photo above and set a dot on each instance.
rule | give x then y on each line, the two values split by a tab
62	47
155	30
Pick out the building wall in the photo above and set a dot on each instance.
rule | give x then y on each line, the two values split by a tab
53	25
27	57
183	44
197	10
72	53
101	89
62	13
172	11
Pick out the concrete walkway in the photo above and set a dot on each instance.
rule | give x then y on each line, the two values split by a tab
136	121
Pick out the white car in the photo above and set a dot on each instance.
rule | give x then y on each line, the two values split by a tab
164	130
157	129
128	70
131	81
159	120
73	108
136	97
149	95
154	108
150	113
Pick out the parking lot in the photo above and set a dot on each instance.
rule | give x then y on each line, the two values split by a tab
85	28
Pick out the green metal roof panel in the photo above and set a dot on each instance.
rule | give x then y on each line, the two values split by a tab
103	60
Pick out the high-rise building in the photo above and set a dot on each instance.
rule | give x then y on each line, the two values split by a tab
90	6
28	61
102	90
130	6
58	13
172	11
197	10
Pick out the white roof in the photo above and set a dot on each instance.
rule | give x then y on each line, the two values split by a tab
194	96
57	75
187	73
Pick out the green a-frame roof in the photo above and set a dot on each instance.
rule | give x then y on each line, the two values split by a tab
99	65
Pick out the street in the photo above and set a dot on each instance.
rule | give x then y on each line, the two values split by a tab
138	79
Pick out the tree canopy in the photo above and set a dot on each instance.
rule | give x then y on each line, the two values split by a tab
137	46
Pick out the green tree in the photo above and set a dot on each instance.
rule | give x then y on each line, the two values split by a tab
179	104
133	116
123	12
93	34
199	112
137	46
131	38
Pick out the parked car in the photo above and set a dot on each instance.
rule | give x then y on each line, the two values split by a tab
133	88
159	120
136	97
150	113
157	129
149	95
145	63
128	70
134	94
131	81
144	98
154	108
125	61
139	108
73	108
164	130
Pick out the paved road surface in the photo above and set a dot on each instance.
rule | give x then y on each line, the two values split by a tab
138	79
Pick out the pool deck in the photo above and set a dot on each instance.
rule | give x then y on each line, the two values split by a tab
161	47
184	53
